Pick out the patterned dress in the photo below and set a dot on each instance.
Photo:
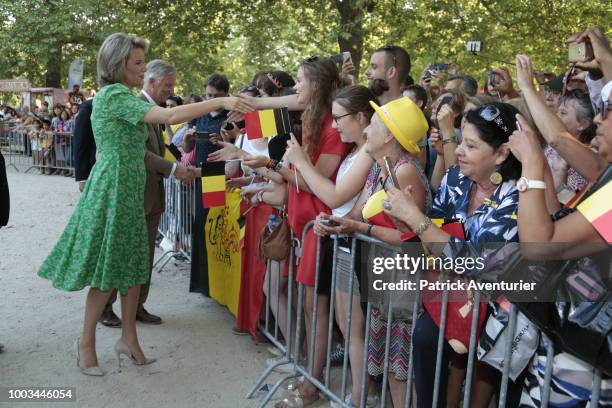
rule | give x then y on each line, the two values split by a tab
399	349
105	243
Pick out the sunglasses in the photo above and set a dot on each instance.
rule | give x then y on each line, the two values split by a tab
314	58
491	113
337	118
604	107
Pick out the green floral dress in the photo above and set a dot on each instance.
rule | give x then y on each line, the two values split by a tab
105	243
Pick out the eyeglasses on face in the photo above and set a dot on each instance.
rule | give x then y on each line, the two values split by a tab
337	118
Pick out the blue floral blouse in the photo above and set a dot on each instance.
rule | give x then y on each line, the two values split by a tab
493	221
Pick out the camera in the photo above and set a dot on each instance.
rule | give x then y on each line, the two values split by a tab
474	46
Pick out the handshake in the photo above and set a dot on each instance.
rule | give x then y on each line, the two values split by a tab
187	174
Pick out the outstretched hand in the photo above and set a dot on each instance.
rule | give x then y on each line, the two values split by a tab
227	152
255	162
524	72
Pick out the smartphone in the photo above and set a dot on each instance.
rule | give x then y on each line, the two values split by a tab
491	77
580	52
329	223
391	172
340	58
447	100
203	136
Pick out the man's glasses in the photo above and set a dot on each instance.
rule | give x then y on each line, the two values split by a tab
337	118
604	107
491	113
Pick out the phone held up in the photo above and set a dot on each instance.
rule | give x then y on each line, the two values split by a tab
580	52
341	58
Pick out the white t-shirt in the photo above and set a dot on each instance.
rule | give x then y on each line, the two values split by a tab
345	166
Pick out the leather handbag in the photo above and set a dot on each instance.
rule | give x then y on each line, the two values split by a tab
276	244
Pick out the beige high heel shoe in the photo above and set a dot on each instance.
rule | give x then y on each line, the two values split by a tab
122	348
93	371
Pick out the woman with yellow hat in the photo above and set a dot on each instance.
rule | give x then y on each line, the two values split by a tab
393	134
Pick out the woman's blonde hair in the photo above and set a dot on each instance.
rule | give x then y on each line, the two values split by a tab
113	56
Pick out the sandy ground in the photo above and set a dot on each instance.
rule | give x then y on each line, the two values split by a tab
200	363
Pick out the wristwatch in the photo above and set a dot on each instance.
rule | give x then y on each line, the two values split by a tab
524	184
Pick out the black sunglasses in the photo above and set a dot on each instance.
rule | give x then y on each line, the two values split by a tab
491	113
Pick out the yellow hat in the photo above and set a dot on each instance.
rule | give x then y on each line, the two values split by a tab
405	120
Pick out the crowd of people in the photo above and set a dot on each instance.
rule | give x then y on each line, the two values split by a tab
47	132
510	160
502	160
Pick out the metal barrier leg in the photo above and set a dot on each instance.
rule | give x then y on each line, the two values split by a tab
440	349
503	391
550	357
415	314
364	374
330	323
472	350
596	390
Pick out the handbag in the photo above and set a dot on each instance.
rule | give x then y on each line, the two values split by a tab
460	308
496	335
276	244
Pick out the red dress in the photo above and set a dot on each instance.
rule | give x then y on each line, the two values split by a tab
303	207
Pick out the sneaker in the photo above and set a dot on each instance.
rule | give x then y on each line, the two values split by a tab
283	368
371	401
337	356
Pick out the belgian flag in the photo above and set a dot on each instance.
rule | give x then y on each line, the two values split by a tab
598	210
373	211
213	184
267	123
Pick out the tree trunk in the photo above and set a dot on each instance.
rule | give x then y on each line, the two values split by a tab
53	76
350	37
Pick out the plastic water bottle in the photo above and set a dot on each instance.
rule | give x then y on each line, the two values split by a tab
273	222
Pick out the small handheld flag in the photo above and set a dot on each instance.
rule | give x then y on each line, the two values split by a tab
267	123
598	211
213	184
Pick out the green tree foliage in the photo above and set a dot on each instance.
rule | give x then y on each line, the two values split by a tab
40	39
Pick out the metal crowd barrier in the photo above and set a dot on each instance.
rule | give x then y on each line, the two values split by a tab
176	223
53	154
301	368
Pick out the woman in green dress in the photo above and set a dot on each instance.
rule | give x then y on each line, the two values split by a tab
104	245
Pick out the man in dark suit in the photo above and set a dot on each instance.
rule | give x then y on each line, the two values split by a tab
158	86
84	144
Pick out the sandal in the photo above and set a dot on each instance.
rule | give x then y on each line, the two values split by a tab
297	401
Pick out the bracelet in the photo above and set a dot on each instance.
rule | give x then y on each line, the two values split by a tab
271	164
423	226
451	139
369	231
278	166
